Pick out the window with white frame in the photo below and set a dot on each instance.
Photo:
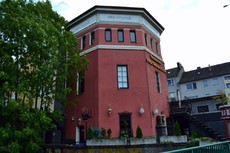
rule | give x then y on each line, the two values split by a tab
120	35
215	81
92	38
170	82
122	76
191	86
205	83
108	35
133	36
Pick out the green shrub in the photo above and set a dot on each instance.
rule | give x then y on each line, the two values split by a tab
109	132
139	133
177	130
103	132
90	134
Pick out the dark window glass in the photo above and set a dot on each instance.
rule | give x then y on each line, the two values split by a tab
122	76
191	86
152	45
92	37
108	35
170	82
83	42
202	109
132	36
158	82
80	83
157	49
120	35
146	39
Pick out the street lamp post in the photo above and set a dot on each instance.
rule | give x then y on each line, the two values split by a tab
85	116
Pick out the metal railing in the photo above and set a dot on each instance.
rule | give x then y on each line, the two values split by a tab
220	147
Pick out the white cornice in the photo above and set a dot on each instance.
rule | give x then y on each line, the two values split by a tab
121	48
111	18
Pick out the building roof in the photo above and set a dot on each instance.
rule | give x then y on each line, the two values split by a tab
173	72
205	73
118	9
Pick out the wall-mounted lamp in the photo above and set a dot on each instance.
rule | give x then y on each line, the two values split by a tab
155	111
141	110
109	110
79	121
72	118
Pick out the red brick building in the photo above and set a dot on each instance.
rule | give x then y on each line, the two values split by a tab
125	83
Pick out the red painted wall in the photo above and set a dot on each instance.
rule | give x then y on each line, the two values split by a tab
101	85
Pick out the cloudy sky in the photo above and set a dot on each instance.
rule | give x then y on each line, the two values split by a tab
197	32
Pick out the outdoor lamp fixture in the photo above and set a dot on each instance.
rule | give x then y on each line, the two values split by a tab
109	110
141	110
72	118
155	111
79	120
85	114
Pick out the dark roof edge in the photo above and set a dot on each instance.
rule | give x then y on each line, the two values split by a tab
72	22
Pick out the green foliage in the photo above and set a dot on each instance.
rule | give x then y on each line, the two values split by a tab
103	132
177	130
90	134
222	98
139	133
109	132
195	135
23	130
36	53
192	143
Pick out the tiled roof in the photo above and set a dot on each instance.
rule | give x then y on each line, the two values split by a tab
205	73
172	73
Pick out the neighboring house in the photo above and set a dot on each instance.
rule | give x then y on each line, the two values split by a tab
125	84
197	90
173	78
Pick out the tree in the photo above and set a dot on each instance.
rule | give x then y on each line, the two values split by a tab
139	133
222	98
36	53
177	130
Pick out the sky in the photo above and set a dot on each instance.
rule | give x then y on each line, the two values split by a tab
197	32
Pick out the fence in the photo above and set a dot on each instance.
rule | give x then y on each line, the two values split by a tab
221	147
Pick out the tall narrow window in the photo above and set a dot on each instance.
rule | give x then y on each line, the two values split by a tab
122	76
80	83
152	45
146	39
158	84
157	49
92	38
83	42
120	35
108	35
132	36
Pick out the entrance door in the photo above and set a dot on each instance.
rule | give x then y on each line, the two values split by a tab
125	125
79	134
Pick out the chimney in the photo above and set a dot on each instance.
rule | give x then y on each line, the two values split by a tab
209	68
179	66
